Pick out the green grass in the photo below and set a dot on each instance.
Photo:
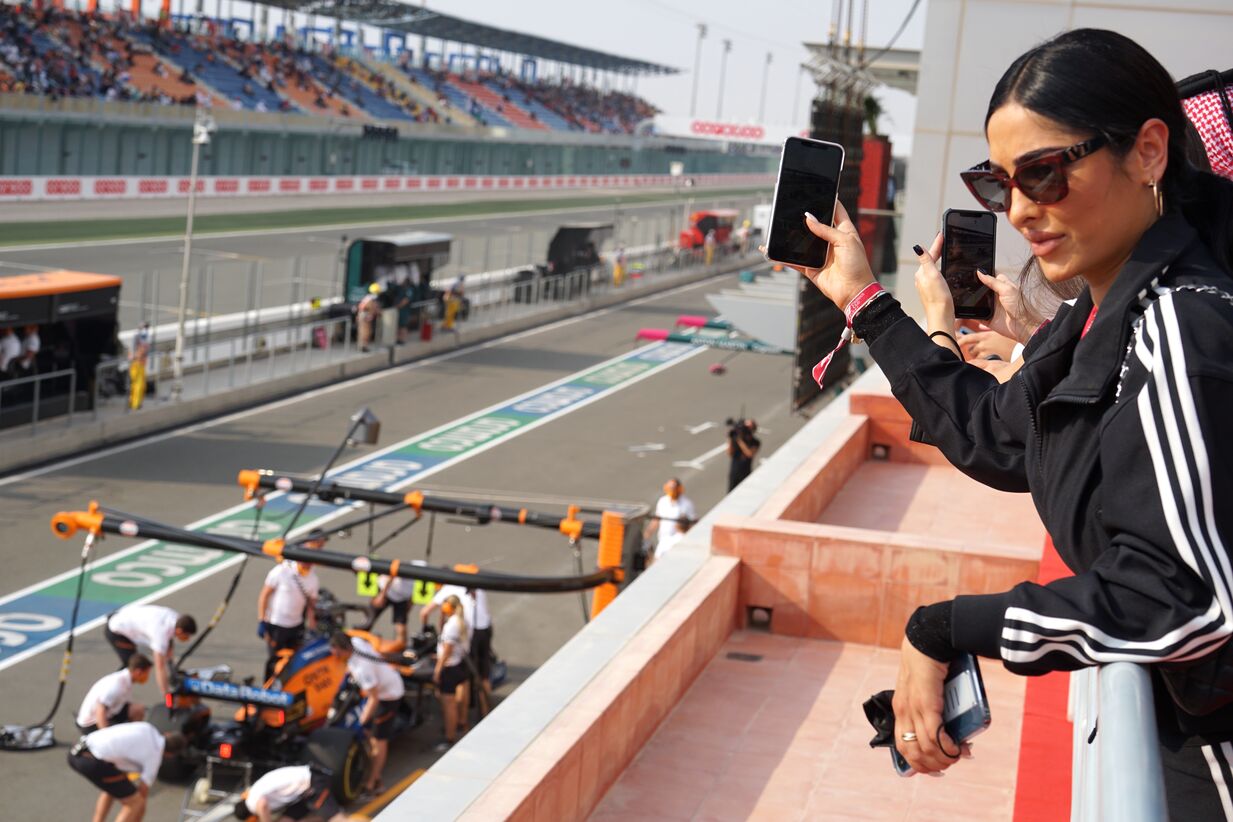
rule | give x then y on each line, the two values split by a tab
64	231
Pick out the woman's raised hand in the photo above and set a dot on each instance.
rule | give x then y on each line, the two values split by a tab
934	293
846	270
1011	317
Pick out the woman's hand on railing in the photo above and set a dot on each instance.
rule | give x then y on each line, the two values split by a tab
846	270
918	710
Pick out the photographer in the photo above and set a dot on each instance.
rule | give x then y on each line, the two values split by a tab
742	448
1115	422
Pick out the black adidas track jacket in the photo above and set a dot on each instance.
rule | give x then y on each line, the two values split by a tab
1125	440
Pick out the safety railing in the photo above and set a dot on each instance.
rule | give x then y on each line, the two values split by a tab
1116	770
234	362
243	354
35	398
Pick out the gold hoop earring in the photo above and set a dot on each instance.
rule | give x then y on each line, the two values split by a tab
1158	196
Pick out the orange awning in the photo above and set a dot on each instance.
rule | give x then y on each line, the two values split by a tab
54	282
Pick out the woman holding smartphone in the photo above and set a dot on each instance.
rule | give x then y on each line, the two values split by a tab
1117	423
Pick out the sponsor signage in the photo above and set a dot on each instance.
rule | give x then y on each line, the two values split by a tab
14	189
762	133
232	692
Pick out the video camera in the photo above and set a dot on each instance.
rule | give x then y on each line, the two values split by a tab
738	428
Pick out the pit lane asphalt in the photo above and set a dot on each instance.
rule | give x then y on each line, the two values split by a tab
585	453
299	264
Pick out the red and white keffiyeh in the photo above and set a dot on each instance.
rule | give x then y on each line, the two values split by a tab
1207	113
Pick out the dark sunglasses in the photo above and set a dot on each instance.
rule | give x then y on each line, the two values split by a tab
1042	179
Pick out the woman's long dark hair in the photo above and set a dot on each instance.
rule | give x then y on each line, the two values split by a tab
1094	81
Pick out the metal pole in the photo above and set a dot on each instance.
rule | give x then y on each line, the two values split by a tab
796	96
693	100
177	385
202	126
766	71
723	67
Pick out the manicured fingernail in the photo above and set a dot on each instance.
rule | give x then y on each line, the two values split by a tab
809	216
917	250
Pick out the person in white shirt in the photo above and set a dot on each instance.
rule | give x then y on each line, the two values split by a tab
107	756
395	594
30	347
10	348
287	602
153	626
297	791
479	624
674	515
109	701
452	674
383	689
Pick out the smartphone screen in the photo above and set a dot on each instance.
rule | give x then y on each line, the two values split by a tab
968	245
808	181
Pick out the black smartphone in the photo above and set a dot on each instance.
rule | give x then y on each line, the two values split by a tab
965	707
967	245
808	181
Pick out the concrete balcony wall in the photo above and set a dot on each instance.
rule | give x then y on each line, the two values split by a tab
584	731
871	526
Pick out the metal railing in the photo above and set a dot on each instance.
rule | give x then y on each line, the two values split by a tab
36	398
1116	774
234	362
243	354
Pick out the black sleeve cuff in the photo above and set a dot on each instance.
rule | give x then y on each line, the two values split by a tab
976	623
929	631
876	317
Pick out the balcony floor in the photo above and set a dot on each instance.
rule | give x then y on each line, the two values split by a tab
783	737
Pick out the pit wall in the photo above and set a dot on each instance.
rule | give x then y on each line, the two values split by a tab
553	748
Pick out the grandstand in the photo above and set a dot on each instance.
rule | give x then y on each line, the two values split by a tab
56	52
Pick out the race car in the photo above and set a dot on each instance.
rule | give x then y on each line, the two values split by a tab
284	723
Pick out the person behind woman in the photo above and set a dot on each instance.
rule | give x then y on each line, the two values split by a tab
452	676
1116	421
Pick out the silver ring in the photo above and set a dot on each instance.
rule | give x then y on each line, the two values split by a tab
908	736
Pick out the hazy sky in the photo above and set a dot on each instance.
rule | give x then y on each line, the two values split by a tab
664	31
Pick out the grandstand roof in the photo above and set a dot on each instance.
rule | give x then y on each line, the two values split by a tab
396	16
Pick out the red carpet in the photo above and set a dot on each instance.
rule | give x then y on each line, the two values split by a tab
1042	792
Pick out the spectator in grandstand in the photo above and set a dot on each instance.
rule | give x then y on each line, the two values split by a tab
110	700
1121	437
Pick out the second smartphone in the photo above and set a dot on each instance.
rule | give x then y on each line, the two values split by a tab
808	181
967	246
